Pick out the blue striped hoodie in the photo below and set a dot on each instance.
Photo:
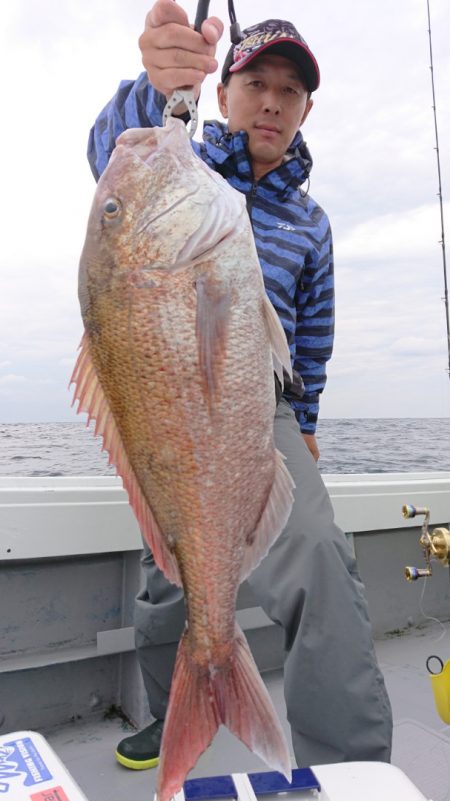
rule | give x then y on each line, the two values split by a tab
292	233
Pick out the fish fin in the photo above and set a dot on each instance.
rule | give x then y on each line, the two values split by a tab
273	519
202	699
91	399
280	349
213	312
247	709
190	724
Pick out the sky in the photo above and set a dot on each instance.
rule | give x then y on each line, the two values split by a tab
371	134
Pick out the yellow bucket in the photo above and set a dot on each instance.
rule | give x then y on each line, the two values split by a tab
440	683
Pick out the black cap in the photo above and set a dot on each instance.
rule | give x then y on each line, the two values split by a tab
283	39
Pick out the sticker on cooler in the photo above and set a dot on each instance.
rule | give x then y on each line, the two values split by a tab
21	763
52	794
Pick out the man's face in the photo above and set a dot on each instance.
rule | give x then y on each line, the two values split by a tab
269	101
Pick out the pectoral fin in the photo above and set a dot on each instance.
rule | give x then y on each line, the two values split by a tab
213	312
91	399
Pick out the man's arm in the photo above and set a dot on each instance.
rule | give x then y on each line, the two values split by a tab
314	332
136	104
173	55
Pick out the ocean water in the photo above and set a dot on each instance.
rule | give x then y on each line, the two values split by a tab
347	446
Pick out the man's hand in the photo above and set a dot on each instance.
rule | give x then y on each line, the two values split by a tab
311	442
175	55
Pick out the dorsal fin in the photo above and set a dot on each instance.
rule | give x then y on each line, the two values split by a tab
91	399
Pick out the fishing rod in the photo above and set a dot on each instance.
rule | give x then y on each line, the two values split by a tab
235	31
441	204
202	13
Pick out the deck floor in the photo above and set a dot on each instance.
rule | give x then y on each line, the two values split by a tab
421	739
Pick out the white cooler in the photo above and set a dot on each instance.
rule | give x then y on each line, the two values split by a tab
31	771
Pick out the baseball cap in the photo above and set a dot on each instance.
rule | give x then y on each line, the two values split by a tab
283	39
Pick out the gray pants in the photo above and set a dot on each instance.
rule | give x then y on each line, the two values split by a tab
336	700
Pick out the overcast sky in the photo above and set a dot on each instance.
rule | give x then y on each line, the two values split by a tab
371	134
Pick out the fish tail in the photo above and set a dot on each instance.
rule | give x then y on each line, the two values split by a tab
200	701
247	709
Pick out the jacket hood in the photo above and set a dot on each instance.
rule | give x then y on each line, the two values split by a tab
228	154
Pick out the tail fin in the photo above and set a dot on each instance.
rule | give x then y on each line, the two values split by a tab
199	702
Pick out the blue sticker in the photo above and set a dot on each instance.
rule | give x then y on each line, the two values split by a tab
20	760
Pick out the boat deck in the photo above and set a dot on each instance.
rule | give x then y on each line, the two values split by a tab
421	739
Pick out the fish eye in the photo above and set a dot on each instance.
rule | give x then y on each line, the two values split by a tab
112	208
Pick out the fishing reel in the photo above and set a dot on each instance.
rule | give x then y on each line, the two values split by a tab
435	544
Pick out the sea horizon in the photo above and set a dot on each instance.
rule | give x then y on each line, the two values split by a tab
347	445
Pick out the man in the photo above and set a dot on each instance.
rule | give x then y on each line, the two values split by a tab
336	701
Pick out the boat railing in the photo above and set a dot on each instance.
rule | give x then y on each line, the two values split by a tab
70	568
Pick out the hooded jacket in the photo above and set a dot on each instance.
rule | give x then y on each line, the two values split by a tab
292	232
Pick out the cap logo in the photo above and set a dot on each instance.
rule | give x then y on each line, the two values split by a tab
256	40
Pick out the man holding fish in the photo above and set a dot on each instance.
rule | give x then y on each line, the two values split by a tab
308	583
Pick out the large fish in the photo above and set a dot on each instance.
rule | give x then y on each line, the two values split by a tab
176	367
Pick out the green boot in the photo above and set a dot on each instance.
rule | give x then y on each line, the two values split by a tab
141	750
